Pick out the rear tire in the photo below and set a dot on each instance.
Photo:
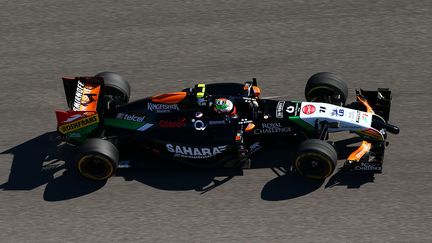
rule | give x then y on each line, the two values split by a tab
97	159
327	88
316	159
117	90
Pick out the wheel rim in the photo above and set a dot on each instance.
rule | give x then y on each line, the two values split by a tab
314	166
95	167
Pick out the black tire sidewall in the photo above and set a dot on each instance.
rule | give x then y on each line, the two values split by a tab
98	147
115	81
328	80
317	148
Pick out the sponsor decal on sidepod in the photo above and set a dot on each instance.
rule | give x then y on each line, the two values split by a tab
195	152
268	128
173	124
220	122
162	107
130	117
254	147
199	125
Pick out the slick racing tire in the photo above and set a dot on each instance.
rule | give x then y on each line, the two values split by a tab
117	90
316	159
97	159
326	87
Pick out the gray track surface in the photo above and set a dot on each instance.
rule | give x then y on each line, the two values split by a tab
166	45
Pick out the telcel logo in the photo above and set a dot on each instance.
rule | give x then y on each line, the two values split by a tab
130	117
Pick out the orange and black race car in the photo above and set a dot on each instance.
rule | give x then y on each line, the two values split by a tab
220	124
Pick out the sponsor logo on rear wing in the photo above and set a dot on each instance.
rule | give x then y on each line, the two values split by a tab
78	124
82	93
70	121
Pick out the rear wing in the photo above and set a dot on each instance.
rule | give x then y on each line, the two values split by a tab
82	96
82	93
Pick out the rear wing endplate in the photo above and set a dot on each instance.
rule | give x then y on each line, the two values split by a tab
82	93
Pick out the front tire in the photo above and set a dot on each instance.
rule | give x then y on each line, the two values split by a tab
316	159
97	159
327	88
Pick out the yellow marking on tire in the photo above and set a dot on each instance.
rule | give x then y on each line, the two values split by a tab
329	163
103	158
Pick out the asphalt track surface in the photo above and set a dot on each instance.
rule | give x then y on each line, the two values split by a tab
162	46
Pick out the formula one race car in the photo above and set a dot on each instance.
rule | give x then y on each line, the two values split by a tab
220	124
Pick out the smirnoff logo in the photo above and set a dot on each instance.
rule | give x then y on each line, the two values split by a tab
78	96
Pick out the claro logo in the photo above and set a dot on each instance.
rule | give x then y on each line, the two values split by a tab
173	124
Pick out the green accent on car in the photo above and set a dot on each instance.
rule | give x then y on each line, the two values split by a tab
300	122
120	123
80	135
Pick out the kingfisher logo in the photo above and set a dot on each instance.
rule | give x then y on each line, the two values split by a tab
162	107
308	109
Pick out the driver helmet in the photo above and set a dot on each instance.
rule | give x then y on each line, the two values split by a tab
223	106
